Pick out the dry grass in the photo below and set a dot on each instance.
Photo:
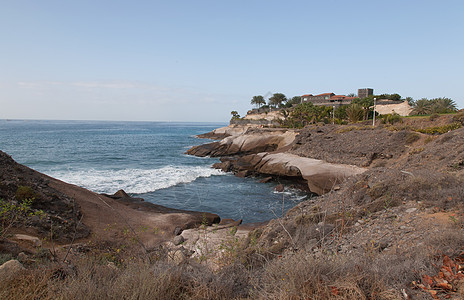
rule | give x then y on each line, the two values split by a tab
300	276
295	275
137	280
344	276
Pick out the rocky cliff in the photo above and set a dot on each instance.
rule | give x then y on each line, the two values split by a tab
266	151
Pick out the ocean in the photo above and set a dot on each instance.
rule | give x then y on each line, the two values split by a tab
145	159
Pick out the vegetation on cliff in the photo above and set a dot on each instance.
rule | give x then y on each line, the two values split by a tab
297	114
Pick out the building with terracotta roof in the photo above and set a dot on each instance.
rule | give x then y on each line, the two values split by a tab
327	99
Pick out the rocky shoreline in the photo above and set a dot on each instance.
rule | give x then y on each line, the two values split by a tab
74	213
389	216
255	151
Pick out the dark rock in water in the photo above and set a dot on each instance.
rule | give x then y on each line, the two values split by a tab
121	194
230	222
244	173
177	231
279	188
178	240
266	180
225	166
212	149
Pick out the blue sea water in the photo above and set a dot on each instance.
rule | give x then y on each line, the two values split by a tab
147	160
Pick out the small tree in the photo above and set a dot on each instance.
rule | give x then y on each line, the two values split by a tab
395	97
235	115
277	100
258	101
294	101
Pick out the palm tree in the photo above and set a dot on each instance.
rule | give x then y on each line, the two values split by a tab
277	100
258	101
355	112
422	107
443	105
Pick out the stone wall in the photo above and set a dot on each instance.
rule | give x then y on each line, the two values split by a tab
402	108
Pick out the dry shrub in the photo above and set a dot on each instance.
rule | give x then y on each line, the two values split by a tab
90	279
449	242
299	276
28	284
381	188
302	275
412	137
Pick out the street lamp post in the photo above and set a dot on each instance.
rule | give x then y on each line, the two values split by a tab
373	118
333	114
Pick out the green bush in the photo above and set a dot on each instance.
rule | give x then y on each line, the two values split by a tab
15	213
459	118
391	118
434	116
25	192
440	129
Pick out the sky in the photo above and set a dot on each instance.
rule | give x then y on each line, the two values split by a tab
199	60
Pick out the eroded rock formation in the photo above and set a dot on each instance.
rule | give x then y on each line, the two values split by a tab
264	151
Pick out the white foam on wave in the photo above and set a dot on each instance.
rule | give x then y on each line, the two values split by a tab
136	181
293	194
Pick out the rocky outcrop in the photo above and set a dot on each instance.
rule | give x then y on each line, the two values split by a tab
268	116
320	176
196	218
223	132
253	140
263	151
18	182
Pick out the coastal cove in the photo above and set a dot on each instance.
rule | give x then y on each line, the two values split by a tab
145	159
389	204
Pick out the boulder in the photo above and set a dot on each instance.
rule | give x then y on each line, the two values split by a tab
177	240
10	268
279	188
177	231
35	241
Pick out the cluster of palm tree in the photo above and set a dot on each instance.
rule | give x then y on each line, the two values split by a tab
426	106
276	100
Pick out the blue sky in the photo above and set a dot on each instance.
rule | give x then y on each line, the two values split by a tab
199	60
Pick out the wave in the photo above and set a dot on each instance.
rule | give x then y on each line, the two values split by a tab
134	181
